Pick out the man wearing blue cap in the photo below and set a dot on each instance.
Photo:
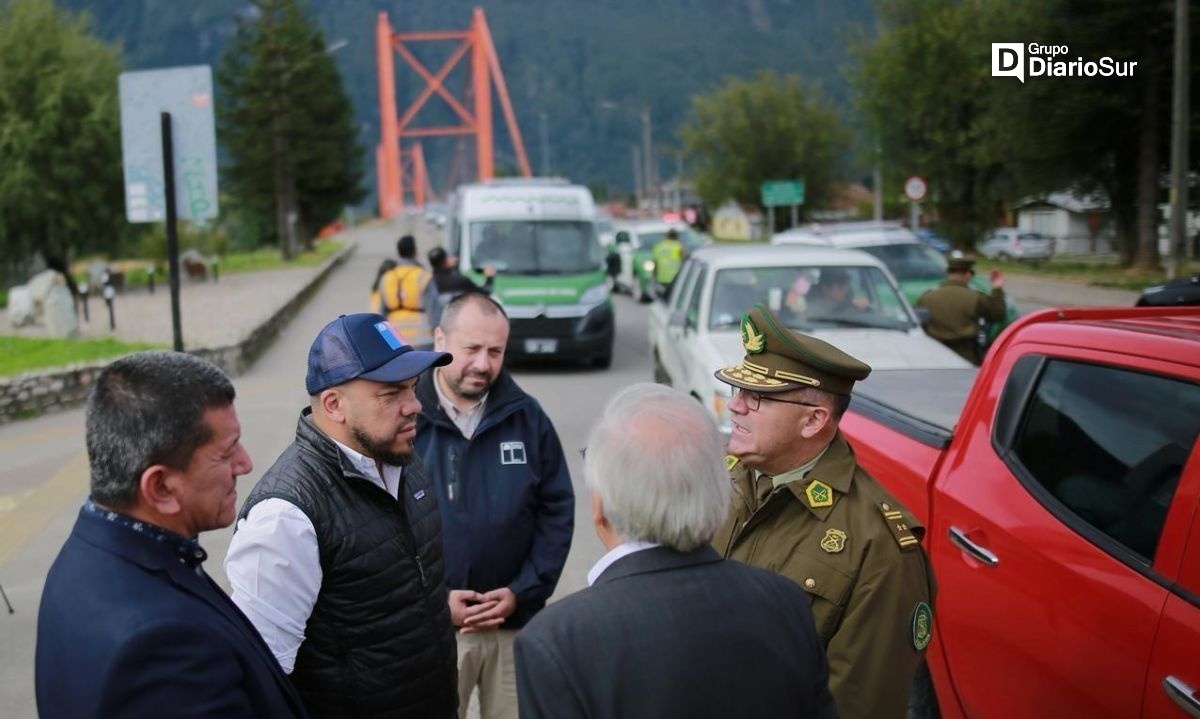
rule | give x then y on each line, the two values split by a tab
337	557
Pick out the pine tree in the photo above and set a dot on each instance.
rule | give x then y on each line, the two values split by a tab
285	123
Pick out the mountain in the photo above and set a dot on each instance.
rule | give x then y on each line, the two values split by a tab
584	68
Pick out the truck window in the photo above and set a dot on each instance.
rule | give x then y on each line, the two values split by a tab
1109	444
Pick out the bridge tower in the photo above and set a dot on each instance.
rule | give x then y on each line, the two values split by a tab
400	169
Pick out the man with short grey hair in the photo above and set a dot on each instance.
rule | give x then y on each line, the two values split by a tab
667	627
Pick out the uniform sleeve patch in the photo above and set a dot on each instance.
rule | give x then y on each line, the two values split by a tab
897	523
922	626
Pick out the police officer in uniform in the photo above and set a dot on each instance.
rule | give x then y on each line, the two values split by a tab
668	258
955	310
803	507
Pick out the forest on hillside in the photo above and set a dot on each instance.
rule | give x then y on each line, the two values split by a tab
579	71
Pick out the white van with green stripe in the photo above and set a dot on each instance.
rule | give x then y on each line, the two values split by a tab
540	235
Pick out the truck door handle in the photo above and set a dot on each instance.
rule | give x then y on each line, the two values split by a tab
959	537
1183	695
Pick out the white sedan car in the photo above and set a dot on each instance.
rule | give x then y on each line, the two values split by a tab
845	297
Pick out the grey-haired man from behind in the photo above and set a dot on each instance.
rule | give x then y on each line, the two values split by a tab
668	627
337	558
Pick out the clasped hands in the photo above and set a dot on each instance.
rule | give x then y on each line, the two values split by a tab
473	611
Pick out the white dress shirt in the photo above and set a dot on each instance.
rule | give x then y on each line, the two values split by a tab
274	564
621	550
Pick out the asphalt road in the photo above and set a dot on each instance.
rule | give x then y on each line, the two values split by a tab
43	467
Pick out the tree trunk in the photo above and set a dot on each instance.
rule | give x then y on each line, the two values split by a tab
1146	258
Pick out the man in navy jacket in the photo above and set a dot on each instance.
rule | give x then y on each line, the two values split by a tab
130	625
505	495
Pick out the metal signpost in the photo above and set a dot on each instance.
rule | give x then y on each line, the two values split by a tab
780	193
169	149
915	188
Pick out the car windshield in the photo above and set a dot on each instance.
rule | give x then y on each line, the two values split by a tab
687	238
910	261
535	248
808	298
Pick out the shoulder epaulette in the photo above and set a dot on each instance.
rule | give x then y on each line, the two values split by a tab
897	523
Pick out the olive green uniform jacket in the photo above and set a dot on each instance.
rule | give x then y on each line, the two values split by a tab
954	313
857	553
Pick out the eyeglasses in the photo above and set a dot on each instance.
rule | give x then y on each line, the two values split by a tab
754	399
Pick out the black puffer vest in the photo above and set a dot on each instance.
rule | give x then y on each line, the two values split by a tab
379	642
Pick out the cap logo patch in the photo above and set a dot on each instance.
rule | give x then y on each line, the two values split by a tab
819	494
834	541
752	339
388	333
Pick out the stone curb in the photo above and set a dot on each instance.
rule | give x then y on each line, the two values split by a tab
32	393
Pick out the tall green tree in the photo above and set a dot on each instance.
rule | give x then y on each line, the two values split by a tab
286	123
924	88
60	136
768	128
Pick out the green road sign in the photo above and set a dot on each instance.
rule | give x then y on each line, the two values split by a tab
778	193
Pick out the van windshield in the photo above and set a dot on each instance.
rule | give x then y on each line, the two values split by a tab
909	261
535	248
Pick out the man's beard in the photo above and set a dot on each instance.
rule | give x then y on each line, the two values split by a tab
379	451
462	391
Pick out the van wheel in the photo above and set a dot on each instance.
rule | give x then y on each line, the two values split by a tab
922	700
603	361
636	291
660	372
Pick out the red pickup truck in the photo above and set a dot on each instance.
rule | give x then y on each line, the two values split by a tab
1059	485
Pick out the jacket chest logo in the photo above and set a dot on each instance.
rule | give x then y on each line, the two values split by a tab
512	453
834	541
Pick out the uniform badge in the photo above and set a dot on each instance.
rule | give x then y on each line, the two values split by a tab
819	494
730	462
752	339
922	626
834	541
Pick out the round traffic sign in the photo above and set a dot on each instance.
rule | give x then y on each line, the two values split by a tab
915	188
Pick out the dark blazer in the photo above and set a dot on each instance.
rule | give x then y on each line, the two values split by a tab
668	634
126	629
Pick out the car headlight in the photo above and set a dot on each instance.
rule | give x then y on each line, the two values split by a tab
594	295
648	265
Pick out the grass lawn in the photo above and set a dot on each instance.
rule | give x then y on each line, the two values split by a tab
268	258
1101	273
22	354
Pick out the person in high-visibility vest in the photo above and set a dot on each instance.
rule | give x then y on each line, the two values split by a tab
668	257
402	292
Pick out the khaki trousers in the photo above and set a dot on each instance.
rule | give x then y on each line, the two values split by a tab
485	659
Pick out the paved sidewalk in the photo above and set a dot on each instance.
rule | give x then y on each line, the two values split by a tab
212	314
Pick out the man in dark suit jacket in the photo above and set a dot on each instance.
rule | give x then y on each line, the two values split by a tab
130	625
668	628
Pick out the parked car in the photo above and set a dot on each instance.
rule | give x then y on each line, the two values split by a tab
933	239
1010	243
1183	291
1059	491
696	331
634	245
914	264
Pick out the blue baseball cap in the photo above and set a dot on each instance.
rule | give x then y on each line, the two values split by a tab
366	346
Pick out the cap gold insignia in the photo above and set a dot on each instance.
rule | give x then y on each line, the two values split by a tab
834	541
752	339
922	626
819	494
